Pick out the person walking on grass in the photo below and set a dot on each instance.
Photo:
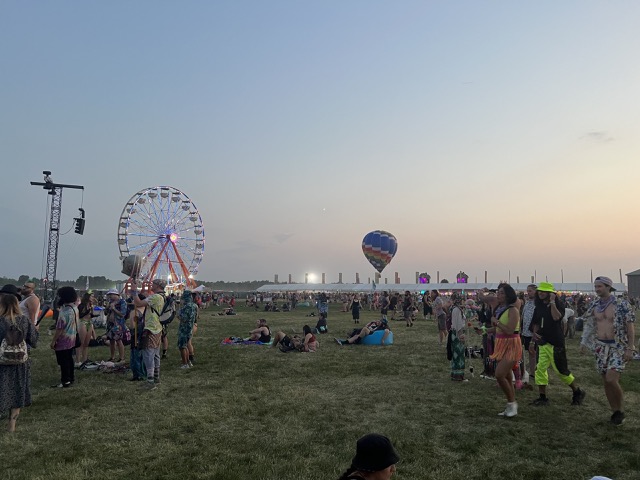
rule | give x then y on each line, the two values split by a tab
609	331
375	459
508	347
548	334
152	330
527	334
64	338
187	315
15	378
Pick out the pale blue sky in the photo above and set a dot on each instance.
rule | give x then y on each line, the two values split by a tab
484	135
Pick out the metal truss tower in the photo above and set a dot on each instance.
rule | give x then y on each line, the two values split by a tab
55	190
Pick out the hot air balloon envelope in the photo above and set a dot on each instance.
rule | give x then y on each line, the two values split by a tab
379	247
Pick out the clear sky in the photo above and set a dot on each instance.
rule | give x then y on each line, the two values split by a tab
485	135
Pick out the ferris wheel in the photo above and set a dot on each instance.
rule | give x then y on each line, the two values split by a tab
162	225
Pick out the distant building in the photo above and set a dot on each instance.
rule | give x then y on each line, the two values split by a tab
633	284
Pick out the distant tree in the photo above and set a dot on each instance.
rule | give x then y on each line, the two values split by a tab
22	279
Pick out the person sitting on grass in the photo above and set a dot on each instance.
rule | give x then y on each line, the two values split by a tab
358	334
321	326
262	333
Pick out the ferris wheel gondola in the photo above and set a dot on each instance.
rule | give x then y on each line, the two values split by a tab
162	226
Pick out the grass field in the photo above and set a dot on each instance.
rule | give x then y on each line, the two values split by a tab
250	412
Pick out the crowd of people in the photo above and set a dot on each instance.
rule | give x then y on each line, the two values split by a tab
135	321
522	334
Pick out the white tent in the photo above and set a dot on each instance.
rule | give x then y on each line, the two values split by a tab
417	287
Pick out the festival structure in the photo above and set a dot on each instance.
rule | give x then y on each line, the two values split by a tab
160	235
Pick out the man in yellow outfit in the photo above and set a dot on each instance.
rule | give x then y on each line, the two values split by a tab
548	334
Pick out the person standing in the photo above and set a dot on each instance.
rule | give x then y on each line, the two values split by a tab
441	315
548	334
527	334
508	347
407	308
426	306
609	330
30	304
85	327
355	306
384	305
116	324
64	338
152	330
457	339
15	380
187	315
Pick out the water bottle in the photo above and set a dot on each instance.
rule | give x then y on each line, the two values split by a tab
471	371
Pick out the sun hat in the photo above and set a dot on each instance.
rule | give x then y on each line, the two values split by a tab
10	289
546	287
605	281
113	291
374	452
159	282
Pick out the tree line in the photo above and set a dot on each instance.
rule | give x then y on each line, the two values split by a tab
104	283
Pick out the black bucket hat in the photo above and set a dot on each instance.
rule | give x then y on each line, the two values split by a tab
11	290
374	452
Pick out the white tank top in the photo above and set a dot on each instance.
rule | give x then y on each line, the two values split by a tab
23	306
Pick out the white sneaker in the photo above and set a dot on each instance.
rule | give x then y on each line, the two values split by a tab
510	411
185	366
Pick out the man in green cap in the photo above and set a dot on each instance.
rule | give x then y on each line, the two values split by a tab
548	334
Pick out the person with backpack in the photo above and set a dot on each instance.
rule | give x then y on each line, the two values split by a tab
16	333
152	330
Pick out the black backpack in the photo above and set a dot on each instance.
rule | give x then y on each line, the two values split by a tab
168	312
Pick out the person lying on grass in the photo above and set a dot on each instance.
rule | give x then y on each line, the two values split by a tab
306	343
358	334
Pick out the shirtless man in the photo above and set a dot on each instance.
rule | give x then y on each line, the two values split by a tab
609	331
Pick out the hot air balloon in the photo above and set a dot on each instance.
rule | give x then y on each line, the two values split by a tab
379	247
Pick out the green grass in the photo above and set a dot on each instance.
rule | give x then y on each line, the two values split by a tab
249	412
